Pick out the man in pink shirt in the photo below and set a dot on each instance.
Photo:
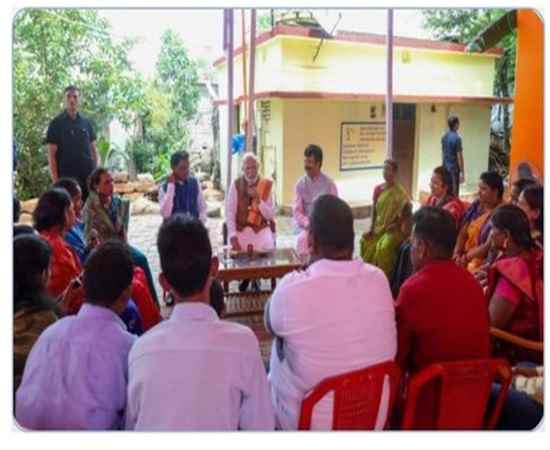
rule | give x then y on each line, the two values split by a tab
332	318
310	186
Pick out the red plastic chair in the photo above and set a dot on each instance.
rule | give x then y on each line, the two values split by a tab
463	392
357	397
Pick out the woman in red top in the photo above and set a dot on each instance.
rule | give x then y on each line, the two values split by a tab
53	216
514	283
441	196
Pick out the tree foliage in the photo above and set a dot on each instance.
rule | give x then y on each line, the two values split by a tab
171	103
52	49
463	25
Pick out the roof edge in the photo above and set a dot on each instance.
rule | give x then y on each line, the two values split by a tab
360	37
314	95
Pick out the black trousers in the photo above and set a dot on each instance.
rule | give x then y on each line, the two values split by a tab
455	175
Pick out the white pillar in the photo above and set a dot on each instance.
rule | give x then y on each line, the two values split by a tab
389	86
228	41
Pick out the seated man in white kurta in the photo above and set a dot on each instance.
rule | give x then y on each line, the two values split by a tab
249	209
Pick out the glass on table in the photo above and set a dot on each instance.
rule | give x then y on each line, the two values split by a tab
226	254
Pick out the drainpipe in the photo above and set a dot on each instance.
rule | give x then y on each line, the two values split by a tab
389	86
251	84
228	44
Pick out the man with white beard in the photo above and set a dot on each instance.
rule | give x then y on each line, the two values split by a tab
249	209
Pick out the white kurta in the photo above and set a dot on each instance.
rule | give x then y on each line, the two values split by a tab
261	241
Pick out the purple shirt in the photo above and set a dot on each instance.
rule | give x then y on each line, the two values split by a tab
76	375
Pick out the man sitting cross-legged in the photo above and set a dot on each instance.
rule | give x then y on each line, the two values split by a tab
75	376
337	316
195	371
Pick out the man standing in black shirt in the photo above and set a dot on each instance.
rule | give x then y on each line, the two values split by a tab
453	161
72	143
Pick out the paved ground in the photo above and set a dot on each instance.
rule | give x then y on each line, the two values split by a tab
143	234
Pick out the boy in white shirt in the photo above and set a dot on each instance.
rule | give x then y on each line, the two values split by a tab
194	371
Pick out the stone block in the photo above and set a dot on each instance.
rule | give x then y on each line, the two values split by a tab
120	177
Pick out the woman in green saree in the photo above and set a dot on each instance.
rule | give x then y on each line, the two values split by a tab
380	245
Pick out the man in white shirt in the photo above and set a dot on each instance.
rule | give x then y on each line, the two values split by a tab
182	193
335	317
194	371
249	209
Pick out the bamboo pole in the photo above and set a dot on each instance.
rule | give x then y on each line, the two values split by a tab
229	47
243	44
251	84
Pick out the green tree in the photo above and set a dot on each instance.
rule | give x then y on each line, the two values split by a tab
171	104
52	49
179	75
263	21
463	25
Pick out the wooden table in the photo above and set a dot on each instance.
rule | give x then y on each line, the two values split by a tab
247	307
272	266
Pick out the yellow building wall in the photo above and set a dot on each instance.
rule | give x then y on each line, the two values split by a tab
269	120
475	129
285	63
318	122
430	126
475	124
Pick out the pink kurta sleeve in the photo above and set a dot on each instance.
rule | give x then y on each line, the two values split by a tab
166	199
298	211
333	189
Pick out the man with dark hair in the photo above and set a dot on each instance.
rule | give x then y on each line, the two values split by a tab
195	372
310	186
453	159
182	193
441	311
75	377
336	316
72	143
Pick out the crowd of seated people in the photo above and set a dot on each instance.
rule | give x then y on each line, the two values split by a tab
91	351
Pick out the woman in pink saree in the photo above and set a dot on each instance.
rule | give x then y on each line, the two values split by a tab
515	279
